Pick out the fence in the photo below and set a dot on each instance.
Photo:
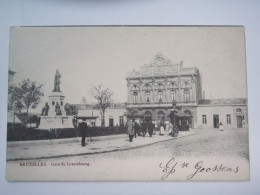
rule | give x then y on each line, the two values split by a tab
19	133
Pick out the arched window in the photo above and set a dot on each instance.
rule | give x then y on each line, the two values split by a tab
160	115
135	94
173	95
160	96
147	96
148	115
186	95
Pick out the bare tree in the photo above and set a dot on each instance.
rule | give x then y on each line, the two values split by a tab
104	99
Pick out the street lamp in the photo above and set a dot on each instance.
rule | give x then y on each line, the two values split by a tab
173	110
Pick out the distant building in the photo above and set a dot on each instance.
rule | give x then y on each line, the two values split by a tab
114	115
232	113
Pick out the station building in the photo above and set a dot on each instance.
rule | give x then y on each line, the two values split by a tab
152	89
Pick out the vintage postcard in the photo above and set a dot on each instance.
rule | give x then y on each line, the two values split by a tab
127	103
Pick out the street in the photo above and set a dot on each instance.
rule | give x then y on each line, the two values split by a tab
212	146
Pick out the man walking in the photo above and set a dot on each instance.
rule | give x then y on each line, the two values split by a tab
150	128
130	130
83	130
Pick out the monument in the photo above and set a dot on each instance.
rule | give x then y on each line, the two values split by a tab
53	113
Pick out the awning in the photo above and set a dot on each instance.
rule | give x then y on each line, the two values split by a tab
178	113
135	114
86	117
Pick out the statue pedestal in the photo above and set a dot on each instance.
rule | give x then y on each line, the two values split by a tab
56	98
57	122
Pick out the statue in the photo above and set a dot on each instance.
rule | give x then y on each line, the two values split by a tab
45	110
57	82
57	109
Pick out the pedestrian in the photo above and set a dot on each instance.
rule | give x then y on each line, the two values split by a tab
151	127
144	127
170	128
130	130
136	127
162	128
83	130
221	126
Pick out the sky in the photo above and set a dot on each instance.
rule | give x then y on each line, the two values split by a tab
89	56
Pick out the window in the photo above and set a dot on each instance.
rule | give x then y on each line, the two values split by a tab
147	96
228	118
204	119
135	97
160	95
238	110
186	95
121	121
173	95
93	123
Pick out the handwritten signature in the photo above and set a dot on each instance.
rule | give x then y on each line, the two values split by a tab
170	167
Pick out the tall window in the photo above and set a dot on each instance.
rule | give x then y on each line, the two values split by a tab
173	95
204	119
121	121
228	118
186	95
135	97
160	96
147	96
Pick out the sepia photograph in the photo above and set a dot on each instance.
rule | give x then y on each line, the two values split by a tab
127	103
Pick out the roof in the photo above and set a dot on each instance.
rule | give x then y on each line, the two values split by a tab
86	117
32	118
226	101
96	107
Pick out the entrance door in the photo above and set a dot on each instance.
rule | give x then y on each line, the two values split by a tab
111	122
215	120
239	121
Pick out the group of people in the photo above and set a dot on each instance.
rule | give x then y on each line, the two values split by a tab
135	128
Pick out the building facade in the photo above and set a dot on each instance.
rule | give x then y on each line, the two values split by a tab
115	115
152	90
232	113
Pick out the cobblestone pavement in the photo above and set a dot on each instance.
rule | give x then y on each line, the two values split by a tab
207	142
228	147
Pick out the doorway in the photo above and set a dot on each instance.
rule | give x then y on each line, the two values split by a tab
215	120
111	122
239	121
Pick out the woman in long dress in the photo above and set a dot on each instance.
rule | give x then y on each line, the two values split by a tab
221	126
162	128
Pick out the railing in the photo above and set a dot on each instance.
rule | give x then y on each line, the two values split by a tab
151	71
157	104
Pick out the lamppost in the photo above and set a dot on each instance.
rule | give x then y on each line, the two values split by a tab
173	110
175	130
